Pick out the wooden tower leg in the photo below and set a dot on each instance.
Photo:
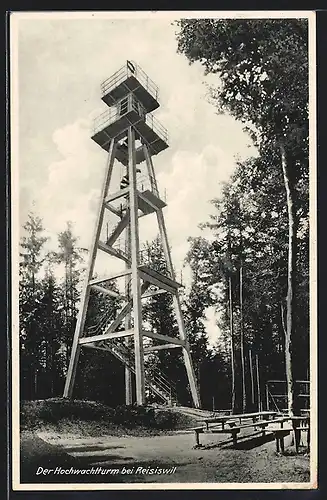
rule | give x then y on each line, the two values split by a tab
128	384
136	288
176	301
186	353
128	324
71	373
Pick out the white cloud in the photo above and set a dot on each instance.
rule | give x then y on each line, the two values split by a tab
194	180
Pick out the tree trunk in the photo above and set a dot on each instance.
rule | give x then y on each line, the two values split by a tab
289	333
35	384
252	379
242	342
258	383
232	343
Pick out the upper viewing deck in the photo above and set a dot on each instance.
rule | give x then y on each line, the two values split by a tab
114	122
130	78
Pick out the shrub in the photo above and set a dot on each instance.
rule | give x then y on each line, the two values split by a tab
132	415
129	416
165	419
53	410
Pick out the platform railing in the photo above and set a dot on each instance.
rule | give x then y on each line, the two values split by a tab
125	72
120	245
147	83
146	182
105	119
156	126
113	114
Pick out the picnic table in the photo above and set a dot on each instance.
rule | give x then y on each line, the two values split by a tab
279	425
234	423
222	419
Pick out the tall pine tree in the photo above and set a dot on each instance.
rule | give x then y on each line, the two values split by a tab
30	295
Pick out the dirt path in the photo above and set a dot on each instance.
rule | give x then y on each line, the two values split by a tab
254	461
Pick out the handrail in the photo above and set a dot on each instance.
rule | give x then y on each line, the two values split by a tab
119	245
145	182
101	323
112	114
163	380
154	123
125	72
158	379
158	375
105	119
130	362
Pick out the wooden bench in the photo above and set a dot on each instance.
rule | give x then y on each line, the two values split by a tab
281	433
200	430
297	425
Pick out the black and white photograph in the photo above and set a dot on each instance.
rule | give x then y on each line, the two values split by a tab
163	246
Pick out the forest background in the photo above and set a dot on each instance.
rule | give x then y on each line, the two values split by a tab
254	268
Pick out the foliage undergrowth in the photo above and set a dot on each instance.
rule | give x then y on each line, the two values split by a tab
93	418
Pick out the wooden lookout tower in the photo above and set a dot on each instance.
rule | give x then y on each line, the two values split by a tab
131	136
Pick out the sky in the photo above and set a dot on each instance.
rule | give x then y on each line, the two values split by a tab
58	67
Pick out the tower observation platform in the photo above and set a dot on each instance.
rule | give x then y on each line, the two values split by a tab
131	96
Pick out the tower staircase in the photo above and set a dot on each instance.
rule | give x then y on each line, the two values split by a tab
155	380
